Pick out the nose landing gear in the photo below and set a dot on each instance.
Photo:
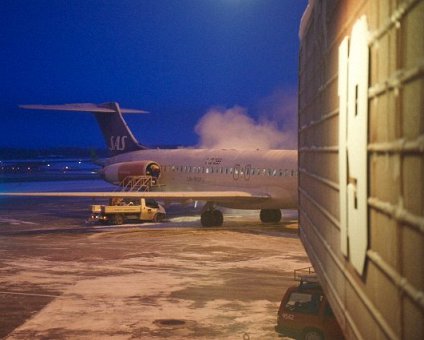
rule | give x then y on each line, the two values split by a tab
211	217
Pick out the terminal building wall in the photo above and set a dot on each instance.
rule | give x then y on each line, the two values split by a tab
371	261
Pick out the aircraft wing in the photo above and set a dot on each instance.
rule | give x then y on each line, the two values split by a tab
214	196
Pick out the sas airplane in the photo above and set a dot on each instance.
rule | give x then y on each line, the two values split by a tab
265	180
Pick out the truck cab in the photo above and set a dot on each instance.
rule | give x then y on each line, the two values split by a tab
120	210
305	313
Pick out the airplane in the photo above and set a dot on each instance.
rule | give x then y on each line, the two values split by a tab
264	180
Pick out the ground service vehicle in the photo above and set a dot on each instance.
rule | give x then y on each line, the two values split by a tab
119	211
305	313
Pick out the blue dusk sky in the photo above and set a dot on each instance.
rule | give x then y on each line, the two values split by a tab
177	59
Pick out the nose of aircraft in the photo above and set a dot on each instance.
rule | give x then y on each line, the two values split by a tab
101	173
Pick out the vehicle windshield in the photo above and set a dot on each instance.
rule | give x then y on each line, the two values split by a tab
307	303
152	203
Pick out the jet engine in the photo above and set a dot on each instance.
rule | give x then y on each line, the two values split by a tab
117	172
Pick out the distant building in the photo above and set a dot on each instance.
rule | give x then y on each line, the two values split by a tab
361	161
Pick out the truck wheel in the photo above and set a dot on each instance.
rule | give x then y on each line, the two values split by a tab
118	219
157	218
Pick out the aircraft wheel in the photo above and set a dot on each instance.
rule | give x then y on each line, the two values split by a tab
212	218
270	215
206	219
218	218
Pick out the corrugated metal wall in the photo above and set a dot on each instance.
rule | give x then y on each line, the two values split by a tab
386	298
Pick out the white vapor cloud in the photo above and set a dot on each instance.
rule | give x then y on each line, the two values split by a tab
276	127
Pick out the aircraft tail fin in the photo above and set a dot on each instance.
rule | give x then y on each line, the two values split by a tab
117	135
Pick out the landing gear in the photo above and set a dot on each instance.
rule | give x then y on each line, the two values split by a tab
211	218
270	215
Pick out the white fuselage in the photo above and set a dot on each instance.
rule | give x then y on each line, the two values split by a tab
268	172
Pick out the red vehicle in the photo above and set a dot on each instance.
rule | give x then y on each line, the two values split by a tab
305	313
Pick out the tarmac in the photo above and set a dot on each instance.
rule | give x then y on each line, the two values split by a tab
63	279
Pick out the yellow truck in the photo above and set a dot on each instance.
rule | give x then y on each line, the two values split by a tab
120	210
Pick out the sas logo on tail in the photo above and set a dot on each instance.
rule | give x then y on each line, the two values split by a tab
117	143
